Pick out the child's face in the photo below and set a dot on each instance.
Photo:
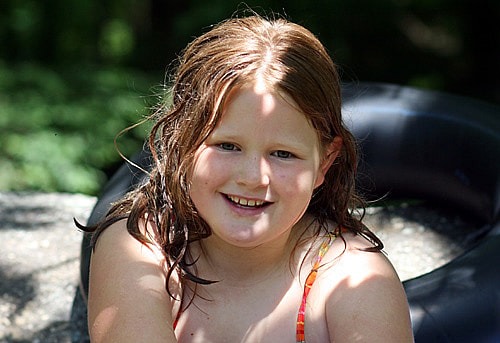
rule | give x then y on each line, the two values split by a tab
254	176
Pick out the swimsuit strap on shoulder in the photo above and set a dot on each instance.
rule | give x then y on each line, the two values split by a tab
309	282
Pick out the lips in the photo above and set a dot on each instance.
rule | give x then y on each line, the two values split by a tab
246	202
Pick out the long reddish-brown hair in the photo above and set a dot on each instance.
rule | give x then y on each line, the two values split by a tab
290	59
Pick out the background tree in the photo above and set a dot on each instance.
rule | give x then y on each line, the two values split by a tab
74	73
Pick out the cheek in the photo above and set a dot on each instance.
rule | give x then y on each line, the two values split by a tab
207	169
300	181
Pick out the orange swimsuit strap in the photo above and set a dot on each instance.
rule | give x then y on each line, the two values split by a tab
310	281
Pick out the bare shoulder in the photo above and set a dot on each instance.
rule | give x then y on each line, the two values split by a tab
127	297
367	302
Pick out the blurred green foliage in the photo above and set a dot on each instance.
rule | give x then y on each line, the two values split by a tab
57	127
75	73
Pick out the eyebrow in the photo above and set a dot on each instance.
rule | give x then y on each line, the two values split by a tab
283	144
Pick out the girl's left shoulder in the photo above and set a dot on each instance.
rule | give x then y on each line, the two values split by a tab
352	260
364	297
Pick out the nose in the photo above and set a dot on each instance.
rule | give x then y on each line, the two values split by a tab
254	172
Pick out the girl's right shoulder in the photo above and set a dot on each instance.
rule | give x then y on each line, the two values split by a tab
128	301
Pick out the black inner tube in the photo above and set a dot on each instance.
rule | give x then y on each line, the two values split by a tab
444	148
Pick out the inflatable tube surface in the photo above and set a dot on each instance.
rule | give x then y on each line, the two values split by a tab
427	144
444	148
419	144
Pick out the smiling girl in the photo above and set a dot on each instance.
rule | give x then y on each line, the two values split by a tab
244	230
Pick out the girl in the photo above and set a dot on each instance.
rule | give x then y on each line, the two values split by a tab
244	230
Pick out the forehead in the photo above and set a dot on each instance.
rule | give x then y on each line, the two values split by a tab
261	96
256	110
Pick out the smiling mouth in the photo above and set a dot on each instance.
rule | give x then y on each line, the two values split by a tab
249	203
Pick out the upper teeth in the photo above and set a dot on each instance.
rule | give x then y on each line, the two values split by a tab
245	202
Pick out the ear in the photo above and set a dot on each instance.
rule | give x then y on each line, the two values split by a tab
332	152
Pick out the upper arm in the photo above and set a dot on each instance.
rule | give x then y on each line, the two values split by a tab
128	301
369	304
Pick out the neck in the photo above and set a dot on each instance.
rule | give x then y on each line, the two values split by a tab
239	266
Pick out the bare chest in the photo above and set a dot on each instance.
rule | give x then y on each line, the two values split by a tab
254	314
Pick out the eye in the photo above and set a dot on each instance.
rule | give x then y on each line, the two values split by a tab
283	154
228	146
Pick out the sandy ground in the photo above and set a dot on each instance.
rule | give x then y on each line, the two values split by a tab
39	266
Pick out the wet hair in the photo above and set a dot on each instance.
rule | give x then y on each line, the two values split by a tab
289	59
